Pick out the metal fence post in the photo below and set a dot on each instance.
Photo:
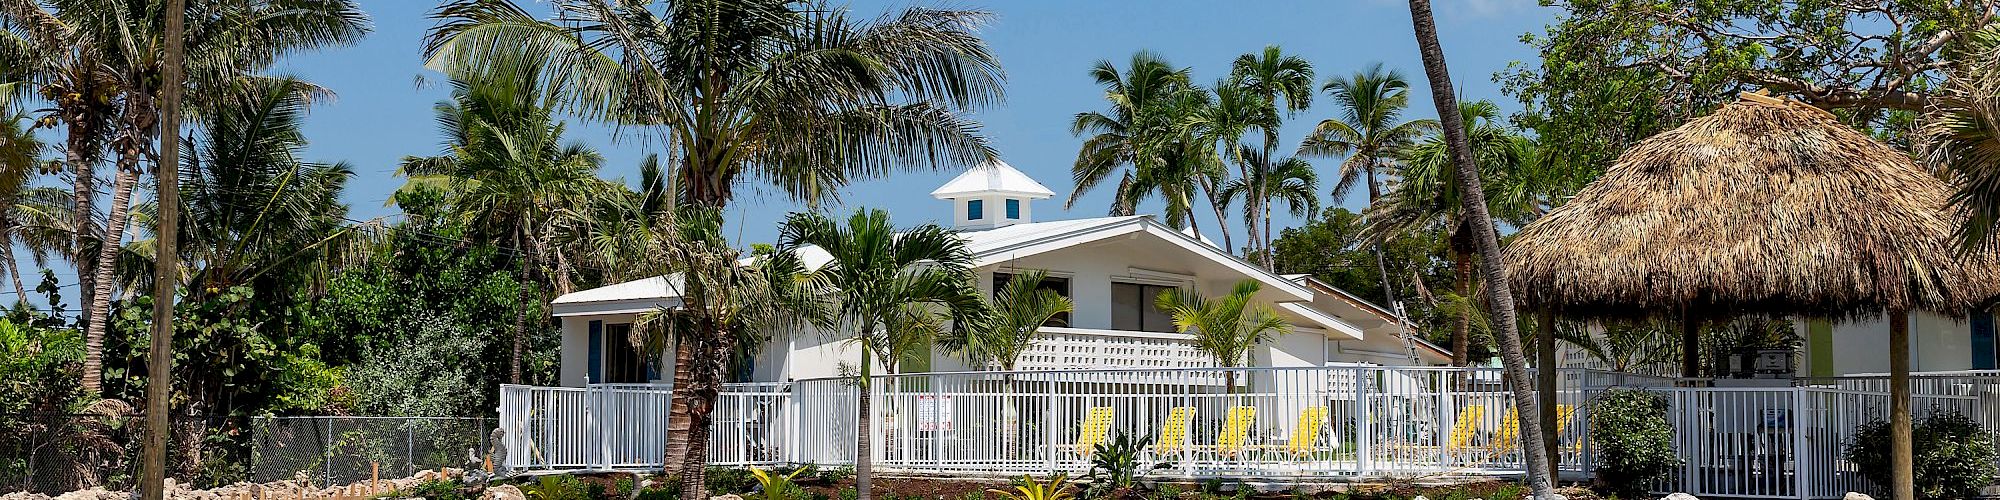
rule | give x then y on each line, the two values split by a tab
937	422
1049	420
326	452
1364	431
409	450
1798	432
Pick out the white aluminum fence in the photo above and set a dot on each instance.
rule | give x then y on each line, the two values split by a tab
1334	422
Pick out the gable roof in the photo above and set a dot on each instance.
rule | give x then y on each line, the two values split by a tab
992	178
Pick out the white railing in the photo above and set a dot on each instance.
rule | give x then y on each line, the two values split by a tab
1344	421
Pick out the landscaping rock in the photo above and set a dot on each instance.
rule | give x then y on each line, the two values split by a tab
726	497
1680	496
1420	497
1856	496
504	492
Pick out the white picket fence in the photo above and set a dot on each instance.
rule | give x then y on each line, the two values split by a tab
1325	422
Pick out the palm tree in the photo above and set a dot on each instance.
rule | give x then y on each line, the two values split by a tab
1290	180
1272	75
512	175
1427	194
1369	132
726	307
1514	361
1227	327
878	275
33	217
1019	311
1143	140
805	98
98	61
1233	111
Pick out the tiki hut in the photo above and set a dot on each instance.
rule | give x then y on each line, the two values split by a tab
1764	207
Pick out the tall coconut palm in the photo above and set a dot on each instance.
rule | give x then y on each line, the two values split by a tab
1143	141
1368	132
1234	111
878	275
804	98
98	63
1225	328
1290	180
1427	194
1501	299
512	175
1273	76
725	307
35	218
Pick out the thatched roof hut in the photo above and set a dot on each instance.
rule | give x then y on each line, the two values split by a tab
1766	206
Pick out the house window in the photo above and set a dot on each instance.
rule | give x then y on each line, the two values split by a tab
1057	283
1135	307
1013	209
975	209
622	362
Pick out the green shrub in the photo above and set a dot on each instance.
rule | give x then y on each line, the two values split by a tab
721	480
556	488
1954	455
1634	441
1114	465
433	489
835	475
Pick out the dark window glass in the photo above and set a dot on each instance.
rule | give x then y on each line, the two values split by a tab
1135	307
975	209
1013	209
622	362
1059	284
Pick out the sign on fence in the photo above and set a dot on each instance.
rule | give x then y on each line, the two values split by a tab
933	413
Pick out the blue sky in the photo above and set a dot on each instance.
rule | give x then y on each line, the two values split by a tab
383	109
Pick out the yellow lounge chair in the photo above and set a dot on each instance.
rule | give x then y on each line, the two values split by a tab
1096	423
1305	435
1173	433
1509	437
1234	437
1464	429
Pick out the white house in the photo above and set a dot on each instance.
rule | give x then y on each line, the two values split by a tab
1110	267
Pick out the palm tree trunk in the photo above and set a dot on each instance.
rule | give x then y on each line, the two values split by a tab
1902	456
105	263
520	315
13	270
703	389
1221	219
1461	329
1502	299
864	441
677	414
77	152
1268	264
1690	347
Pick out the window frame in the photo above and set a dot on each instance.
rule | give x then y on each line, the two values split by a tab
975	209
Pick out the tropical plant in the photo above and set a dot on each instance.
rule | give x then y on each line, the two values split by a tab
878	275
1057	487
1370	132
1428	194
1019	311
777	486
1272	75
1144	140
1267	180
726	308
1955	455
512	177
807	99
1225	328
1513	360
1634	440
1114	464
1623	347
1231	111
98	62
37	219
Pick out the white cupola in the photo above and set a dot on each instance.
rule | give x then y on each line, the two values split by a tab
991	195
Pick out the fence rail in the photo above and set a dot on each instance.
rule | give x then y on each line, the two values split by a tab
1331	422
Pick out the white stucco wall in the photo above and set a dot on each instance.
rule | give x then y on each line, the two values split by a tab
1937	343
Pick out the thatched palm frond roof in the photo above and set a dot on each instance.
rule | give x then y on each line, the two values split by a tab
1763	207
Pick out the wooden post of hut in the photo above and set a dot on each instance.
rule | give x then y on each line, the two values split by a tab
1765	207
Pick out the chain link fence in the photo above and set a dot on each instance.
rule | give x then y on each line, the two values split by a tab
332	450
61	452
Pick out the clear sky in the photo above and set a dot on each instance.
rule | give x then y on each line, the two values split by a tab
383	109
